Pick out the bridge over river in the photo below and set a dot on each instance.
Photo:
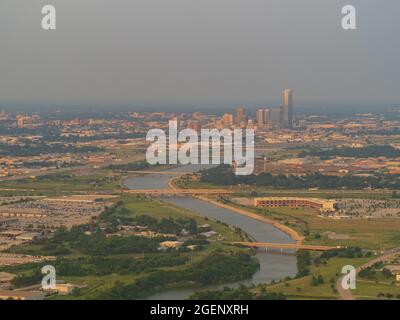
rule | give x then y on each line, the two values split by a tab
178	192
296	246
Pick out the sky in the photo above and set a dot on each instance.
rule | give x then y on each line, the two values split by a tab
199	52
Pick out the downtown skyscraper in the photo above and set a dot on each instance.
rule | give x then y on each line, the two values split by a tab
287	109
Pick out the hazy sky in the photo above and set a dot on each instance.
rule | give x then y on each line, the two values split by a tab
164	51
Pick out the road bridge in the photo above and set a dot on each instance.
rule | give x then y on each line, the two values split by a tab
296	246
179	192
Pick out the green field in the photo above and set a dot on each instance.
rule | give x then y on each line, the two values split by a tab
65	182
267	191
137	206
302	288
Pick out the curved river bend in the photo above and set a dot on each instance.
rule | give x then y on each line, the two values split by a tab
272	266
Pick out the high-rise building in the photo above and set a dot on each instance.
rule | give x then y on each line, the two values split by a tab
263	118
260	118
227	119
275	118
240	115
267	117
287	108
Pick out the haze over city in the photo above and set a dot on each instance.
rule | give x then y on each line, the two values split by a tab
199	53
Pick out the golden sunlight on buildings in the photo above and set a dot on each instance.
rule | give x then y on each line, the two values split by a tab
274	202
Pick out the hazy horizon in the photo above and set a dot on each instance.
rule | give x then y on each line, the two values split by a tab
199	54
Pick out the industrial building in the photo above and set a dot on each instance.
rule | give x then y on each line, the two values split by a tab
292	202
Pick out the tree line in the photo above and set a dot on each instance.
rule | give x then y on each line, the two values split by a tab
224	176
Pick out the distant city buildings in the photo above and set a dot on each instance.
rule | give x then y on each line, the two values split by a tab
240	115
227	119
281	117
277	117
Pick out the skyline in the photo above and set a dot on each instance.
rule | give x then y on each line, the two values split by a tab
161	54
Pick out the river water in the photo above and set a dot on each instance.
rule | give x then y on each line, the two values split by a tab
273	266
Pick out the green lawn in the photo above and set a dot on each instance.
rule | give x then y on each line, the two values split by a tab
367	289
66	182
302	289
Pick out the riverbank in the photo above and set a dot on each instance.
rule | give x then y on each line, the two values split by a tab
273	267
289	231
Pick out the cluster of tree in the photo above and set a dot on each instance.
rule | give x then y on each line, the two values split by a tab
196	242
118	215
98	243
351	252
372	151
38	148
54	134
94	181
388	295
135	166
41	164
214	269
223	175
95	243
371	274
317	280
240	293
101	266
303	263
28	279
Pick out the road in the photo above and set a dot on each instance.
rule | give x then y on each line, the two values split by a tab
347	294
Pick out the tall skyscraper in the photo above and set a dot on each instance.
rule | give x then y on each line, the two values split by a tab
287	108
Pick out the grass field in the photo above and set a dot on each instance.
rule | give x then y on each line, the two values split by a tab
65	182
377	233
366	289
268	191
381	233
159	209
301	288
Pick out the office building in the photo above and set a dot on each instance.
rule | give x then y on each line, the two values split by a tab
260	118
275	117
287	108
240	115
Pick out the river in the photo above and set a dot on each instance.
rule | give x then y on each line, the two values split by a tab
273	266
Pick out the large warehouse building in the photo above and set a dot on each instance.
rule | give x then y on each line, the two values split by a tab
276	202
